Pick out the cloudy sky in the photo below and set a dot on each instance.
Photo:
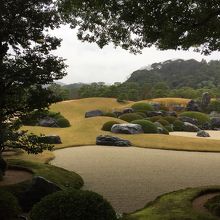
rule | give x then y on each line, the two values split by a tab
88	63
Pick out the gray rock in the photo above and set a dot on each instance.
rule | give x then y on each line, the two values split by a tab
94	113
190	127
48	122
154	113
160	128
206	99
214	114
171	113
193	106
215	123
50	139
178	108
117	113
112	141
127	110
156	106
206	126
189	120
39	188
202	133
127	129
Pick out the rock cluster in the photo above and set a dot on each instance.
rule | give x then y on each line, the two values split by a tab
112	141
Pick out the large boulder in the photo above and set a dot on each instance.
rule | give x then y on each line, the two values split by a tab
215	123
127	129
156	106
178	108
128	110
94	113
206	99
171	113
189	120
112	141
39	188
48	122
214	114
202	133
50	139
193	106
190	127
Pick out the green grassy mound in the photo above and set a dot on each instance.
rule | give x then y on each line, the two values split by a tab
178	125
174	206
147	126
74	204
108	125
142	107
163	122
201	117
156	118
170	119
130	117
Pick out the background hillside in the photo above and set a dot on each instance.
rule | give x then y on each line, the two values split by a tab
172	78
180	73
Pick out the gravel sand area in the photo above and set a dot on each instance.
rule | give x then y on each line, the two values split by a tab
214	135
129	177
15	176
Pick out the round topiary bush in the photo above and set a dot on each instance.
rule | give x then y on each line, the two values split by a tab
163	122
178	125
213	205
161	128
108	125
142	107
130	117
170	119
110	114
214	106
9	208
3	165
201	117
63	122
155	118
142	114
73	205
147	126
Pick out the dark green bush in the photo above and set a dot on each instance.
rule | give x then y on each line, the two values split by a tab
178	125
169	128
201	117
63	122
9	207
147	126
214	106
108	125
155	118
161	128
163	122
213	205
170	119
3	165
142	107
110	114
130	117
73	205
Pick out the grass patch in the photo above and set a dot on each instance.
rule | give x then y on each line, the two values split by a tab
174	206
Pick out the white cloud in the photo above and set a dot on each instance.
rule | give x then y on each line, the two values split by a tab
88	63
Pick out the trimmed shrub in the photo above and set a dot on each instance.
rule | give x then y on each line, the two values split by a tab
3	165
213	205
9	207
142	107
170	119
108	125
130	117
169	128
214	106
178	125
110	114
163	122
73	205
63	122
161	128
201	117
142	114
155	118
147	126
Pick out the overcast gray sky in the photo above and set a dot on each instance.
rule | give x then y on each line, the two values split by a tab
88	63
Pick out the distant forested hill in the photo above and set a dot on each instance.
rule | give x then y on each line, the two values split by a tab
179	73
